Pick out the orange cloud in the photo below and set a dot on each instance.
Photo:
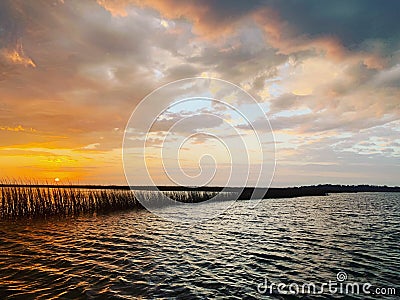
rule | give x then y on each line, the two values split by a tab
205	23
115	7
17	56
16	129
213	25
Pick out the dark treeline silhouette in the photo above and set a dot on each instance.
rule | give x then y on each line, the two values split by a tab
290	192
318	190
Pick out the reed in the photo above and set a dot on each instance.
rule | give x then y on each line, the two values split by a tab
20	202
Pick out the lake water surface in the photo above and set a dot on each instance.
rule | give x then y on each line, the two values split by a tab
134	254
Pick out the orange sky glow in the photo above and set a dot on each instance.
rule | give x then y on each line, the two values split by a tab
72	72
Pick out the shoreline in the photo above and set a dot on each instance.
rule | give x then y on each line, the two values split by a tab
245	193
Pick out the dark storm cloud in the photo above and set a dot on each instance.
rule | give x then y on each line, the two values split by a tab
229	10
352	21
10	25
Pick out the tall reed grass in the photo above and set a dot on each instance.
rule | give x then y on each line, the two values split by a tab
18	201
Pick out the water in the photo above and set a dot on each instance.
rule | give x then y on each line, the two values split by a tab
138	255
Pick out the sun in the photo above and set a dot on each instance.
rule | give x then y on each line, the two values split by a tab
56	179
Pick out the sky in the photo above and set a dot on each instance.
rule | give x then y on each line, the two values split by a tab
325	73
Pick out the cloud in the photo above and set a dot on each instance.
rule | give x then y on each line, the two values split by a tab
206	15
388	78
74	70
290	26
16	128
353	23
91	146
17	56
92	69
178	123
183	71
12	54
337	159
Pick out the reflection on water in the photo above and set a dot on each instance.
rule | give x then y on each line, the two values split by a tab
136	254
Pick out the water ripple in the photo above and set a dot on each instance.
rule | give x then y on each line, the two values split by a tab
137	255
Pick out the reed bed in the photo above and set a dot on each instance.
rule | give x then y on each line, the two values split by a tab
20	202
